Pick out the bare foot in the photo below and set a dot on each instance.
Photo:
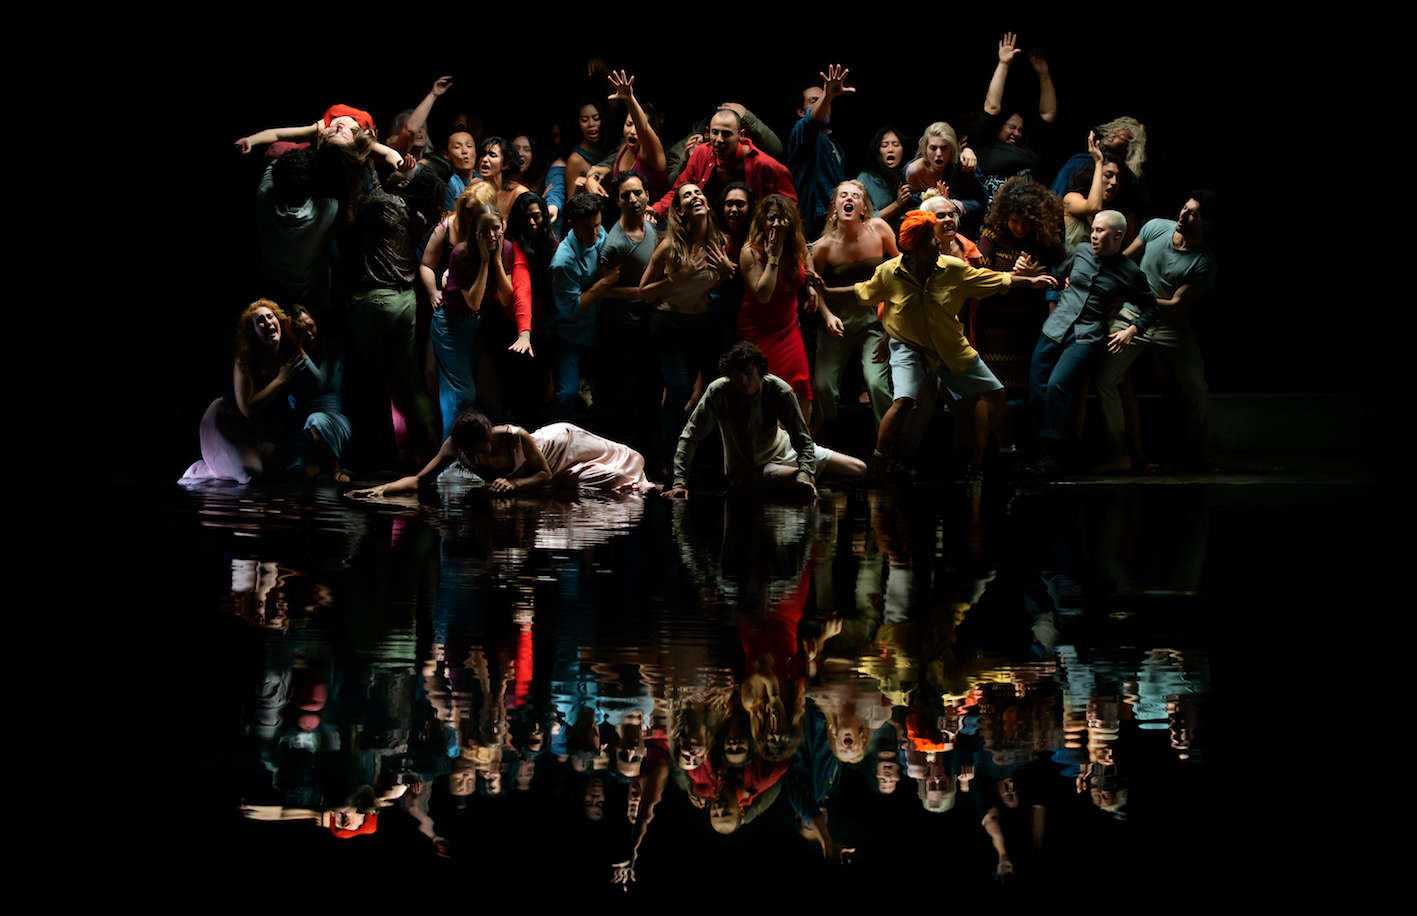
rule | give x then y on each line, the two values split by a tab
1121	463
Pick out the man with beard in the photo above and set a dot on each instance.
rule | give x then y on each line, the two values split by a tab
728	157
1180	267
631	370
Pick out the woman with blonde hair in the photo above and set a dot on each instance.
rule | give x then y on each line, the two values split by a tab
939	160
853	245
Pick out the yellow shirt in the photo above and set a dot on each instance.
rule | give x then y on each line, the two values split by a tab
927	317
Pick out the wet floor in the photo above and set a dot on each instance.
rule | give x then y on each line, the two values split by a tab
1066	682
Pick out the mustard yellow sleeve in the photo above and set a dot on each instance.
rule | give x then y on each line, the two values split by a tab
979	282
870	292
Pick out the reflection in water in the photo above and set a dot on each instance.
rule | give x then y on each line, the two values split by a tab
617	689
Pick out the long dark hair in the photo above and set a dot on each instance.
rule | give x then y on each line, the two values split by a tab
539	249
875	165
511	159
536	174
1123	200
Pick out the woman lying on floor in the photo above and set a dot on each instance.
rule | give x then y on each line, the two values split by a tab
558	456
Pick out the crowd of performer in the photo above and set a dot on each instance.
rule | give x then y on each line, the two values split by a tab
583	309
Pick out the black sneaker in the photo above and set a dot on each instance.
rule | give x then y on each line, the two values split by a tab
1046	469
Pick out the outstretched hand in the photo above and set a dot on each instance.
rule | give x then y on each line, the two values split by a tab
1093	147
522	344
1008	48
243	145
1040	64
442	85
622	86
834	81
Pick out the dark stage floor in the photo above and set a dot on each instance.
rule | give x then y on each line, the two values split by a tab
540	670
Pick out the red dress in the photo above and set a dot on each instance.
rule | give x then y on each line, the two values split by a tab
772	325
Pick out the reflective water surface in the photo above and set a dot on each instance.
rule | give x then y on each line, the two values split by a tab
943	691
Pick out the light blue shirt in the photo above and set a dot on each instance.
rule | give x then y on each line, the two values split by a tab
574	268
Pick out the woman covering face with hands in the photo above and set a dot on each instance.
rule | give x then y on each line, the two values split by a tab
774	265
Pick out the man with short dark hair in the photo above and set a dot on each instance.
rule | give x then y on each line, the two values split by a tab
577	284
1180	267
461	154
765	438
631	371
813	156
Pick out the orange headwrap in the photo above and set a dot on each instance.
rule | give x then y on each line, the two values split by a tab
916	225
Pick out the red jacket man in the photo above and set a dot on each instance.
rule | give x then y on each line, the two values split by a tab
727	157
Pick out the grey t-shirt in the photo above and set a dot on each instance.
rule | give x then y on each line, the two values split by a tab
633	258
1166	268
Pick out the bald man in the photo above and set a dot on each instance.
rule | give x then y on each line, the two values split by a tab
1100	280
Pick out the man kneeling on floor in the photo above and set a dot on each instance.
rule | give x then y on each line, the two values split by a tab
765	440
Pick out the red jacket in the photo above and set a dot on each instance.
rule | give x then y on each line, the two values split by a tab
761	172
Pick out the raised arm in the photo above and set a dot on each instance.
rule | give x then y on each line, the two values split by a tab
1047	95
404	141
651	149
761	135
473	295
760	270
833	85
1074	204
994	99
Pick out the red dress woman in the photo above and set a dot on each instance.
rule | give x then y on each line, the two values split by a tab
774	269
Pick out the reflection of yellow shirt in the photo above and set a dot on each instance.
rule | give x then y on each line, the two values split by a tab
927	317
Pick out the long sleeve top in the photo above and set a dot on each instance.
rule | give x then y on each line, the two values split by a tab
1096	288
752	436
